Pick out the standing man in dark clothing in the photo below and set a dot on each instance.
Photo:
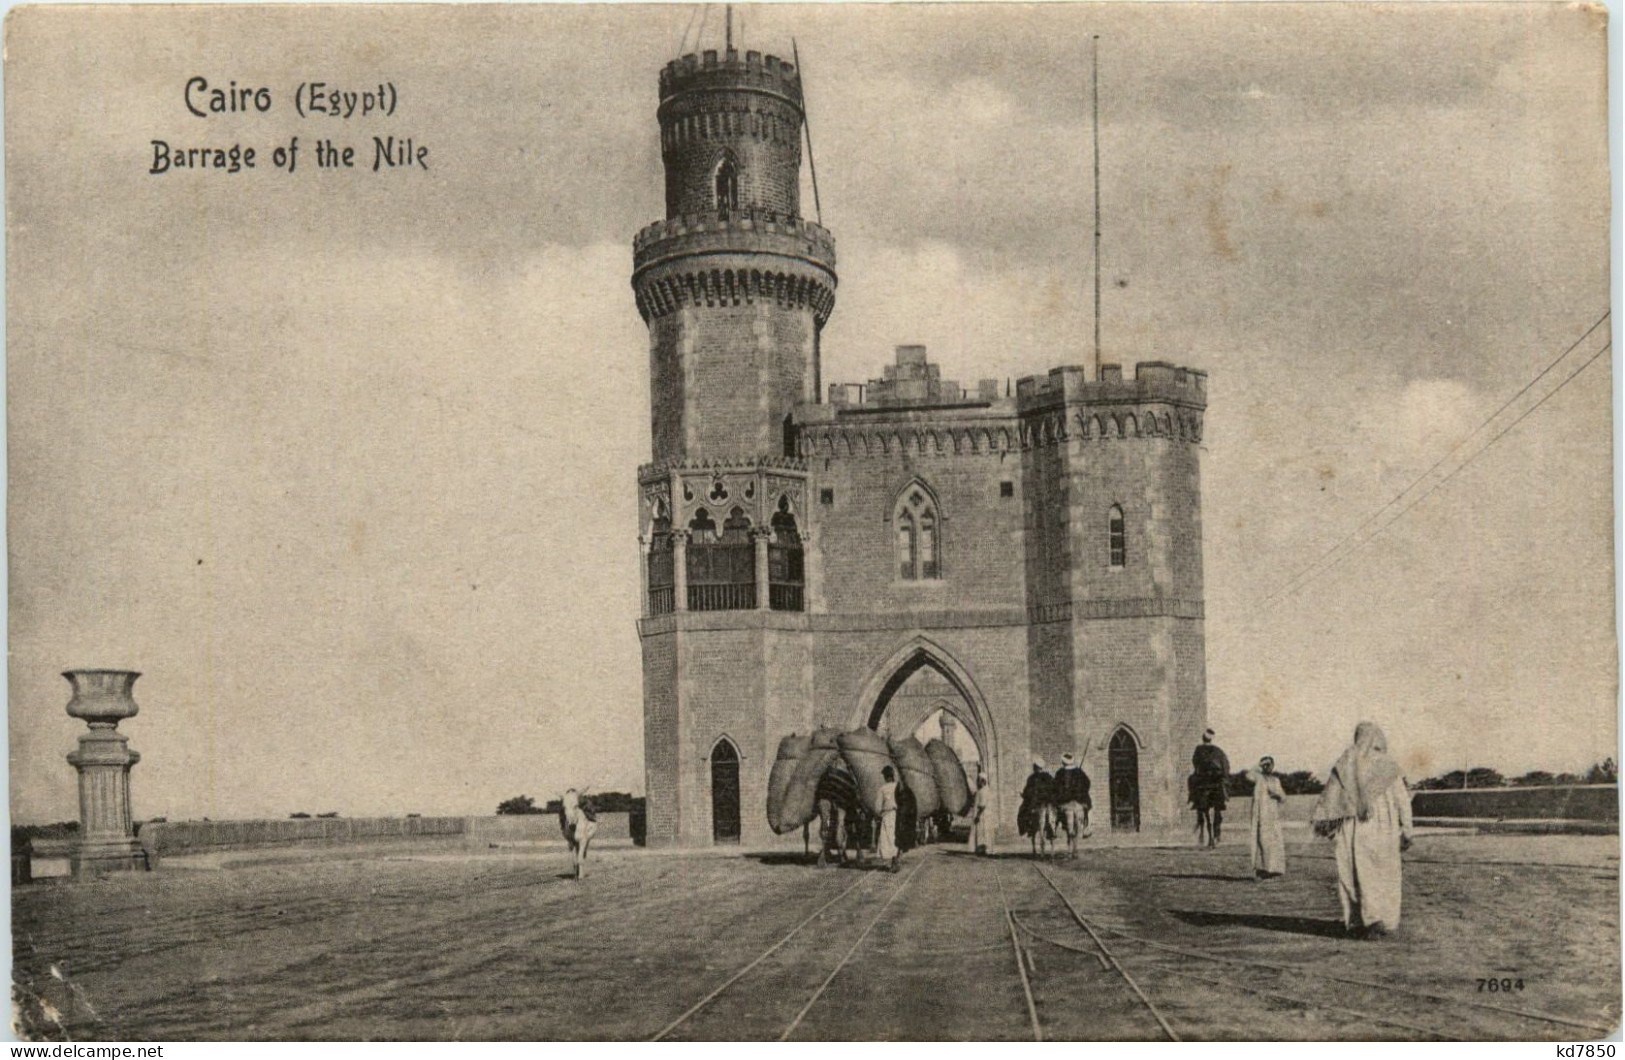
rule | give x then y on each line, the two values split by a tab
1210	767
908	818
1036	817
1072	802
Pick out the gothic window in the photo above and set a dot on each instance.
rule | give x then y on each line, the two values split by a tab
736	530
905	546
785	564
727	187
721	563
919	535
1117	539
703	527
661	565
928	545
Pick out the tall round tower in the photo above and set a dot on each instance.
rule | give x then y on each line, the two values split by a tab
734	285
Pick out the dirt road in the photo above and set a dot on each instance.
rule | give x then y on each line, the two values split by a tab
1156	943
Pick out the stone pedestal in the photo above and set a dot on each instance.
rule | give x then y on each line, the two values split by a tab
107	840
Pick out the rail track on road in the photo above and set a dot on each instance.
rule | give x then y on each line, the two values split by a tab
1155	979
1155	959
726	985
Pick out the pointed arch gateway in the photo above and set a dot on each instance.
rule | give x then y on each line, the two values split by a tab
971	709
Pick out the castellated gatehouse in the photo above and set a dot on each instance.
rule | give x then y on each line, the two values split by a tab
1021	571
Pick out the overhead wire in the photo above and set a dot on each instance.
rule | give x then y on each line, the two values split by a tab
1315	569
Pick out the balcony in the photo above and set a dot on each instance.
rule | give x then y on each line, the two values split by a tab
721	576
722	596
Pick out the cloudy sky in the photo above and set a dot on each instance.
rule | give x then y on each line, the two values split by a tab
345	461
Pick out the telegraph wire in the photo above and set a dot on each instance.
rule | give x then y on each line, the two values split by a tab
1463	465
1307	573
683	40
699	34
806	125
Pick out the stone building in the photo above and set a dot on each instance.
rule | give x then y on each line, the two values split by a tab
1029	562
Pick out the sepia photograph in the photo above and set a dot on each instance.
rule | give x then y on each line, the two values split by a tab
811	522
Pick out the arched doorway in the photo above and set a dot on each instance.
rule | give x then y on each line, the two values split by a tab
893	701
1123	761
724	793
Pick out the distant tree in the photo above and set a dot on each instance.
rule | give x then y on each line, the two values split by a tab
1301	782
517	805
1477	777
333	813
299	816
1604	772
411	815
611	802
553	806
1535	778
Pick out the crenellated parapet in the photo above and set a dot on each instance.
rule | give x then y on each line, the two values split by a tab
709	71
1161	401
1153	381
749	229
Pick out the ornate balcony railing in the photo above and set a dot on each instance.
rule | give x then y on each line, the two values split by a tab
726	596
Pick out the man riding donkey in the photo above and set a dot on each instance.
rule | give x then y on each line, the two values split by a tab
1036	815
1209	767
1072	802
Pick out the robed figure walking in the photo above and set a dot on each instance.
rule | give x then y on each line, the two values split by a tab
1366	812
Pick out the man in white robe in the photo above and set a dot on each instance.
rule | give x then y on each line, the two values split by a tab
887	845
1269	850
579	826
1366	812
981	818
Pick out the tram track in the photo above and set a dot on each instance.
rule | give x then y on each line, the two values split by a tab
1023	960
707	1003
1299	974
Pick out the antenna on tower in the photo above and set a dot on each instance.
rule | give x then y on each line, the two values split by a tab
730	32
1094	126
806	122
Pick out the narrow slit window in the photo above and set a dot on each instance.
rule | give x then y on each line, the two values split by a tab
1117	540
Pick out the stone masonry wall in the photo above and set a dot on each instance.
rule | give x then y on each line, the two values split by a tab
980	542
724	378
661	746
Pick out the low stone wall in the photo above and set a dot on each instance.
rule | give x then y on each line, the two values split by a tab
541	828
1580	802
1238	811
174	839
